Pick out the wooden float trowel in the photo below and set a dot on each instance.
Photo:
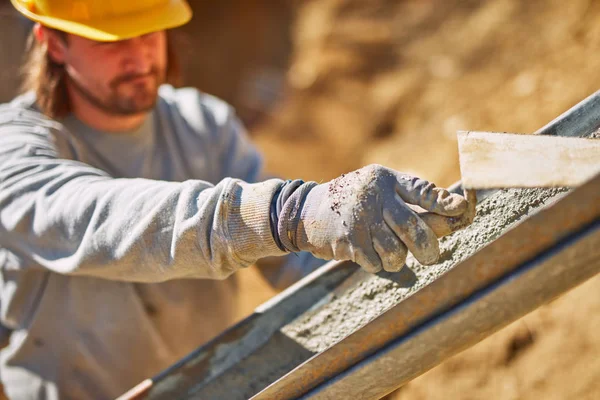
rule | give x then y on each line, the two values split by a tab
503	160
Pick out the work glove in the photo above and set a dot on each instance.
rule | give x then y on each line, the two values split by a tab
364	216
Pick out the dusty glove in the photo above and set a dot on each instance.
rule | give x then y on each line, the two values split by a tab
364	216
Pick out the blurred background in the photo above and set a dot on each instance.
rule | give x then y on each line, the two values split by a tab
327	86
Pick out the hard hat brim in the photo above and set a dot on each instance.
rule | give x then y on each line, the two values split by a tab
172	14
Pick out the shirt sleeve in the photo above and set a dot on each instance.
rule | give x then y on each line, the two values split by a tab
71	218
239	158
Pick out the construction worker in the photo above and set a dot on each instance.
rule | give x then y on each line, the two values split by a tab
124	203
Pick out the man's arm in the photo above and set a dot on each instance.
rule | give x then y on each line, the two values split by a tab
71	218
240	160
351	222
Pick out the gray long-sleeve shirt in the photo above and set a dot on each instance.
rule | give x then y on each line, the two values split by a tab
100	233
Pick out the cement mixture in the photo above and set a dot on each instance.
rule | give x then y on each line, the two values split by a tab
319	329
257	371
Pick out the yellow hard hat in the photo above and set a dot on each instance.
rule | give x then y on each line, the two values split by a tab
106	20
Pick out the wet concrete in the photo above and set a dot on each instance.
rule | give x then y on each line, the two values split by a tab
257	371
318	329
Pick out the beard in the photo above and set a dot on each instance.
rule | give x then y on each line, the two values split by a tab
127	96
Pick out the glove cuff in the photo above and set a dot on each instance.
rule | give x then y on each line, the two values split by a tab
286	190
290	216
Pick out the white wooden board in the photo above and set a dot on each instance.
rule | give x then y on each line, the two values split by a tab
501	160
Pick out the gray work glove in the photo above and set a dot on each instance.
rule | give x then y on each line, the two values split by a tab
363	216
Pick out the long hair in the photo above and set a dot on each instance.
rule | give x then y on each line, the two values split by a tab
47	78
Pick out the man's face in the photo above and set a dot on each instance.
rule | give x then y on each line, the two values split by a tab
120	78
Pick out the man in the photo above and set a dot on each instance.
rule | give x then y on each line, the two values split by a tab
124	200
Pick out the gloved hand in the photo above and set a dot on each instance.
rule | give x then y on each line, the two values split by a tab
363	216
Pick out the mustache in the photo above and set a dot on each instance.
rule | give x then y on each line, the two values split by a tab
132	76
